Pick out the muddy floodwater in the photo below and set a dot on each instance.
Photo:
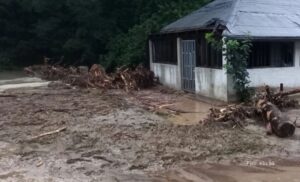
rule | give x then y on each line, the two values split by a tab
10	75
58	133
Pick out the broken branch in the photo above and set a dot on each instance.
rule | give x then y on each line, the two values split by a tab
4	95
49	133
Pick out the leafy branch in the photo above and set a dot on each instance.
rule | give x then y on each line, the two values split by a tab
236	53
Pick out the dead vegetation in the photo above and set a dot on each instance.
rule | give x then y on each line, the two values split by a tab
96	77
266	106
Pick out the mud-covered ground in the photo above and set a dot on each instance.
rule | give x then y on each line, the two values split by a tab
110	136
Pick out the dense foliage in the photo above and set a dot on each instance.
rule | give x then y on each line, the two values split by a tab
109	32
236	53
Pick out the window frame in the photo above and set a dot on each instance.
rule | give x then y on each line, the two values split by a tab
167	50
207	55
292	43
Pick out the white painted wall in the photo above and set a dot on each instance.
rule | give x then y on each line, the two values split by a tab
168	74
274	76
289	76
211	83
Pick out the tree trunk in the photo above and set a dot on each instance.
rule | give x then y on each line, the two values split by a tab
278	123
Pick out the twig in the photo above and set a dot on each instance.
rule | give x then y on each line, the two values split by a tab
295	123
103	158
1	95
182	111
49	133
165	105
61	110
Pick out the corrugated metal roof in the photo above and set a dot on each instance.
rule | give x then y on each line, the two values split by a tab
217	10
255	18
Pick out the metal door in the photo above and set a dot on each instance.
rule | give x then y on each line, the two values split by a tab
188	64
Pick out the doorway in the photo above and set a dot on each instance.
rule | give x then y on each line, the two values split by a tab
188	64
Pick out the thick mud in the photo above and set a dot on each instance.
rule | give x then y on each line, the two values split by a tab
110	136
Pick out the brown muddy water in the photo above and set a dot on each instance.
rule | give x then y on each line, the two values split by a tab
110	136
17	79
9	75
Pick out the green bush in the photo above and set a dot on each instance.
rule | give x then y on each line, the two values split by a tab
236	53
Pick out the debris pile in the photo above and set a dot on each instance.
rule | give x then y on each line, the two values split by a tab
96	77
235	113
48	72
280	99
265	105
129	79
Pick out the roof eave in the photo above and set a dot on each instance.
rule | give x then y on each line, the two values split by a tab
288	38
192	29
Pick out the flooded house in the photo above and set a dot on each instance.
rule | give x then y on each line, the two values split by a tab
183	59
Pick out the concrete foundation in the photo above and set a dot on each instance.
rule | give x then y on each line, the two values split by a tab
211	83
274	76
168	75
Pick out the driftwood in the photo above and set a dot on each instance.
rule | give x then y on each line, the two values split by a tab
4	95
283	94
266	105
49	133
281	99
277	122
235	113
124	78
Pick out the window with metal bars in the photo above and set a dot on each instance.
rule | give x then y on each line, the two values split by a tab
271	54
208	56
164	50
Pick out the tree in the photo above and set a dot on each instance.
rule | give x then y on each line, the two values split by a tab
83	31
130	48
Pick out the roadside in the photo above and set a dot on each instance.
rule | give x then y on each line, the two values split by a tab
18	79
9	75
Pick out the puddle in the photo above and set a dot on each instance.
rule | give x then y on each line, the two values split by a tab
22	85
23	82
189	111
20	80
228	173
8	75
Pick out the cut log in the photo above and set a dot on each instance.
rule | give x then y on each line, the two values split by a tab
279	124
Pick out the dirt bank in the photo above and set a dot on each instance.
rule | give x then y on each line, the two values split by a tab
112	136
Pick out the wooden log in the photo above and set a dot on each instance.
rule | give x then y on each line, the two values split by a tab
276	121
281	87
292	92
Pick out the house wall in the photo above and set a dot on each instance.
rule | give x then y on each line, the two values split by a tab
211	83
289	76
214	83
168	74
